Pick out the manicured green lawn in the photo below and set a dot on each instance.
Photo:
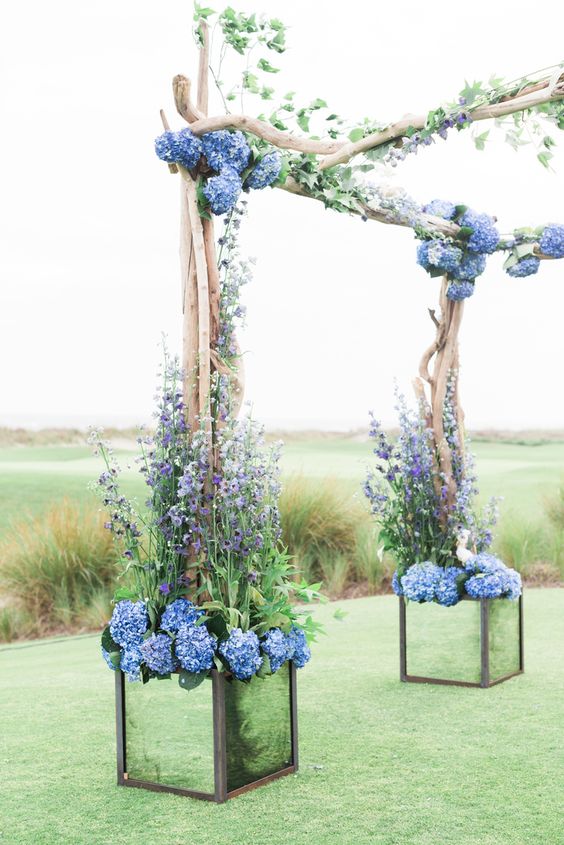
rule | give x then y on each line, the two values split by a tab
382	763
32	477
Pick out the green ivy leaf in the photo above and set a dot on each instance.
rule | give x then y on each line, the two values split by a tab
356	134
265	65
480	140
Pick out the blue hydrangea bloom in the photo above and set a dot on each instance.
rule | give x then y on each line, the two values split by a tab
439	254
298	650
485	237
500	580
525	267
189	148
129	622
420	581
242	653
131	662
440	208
446	590
195	648
266	171
552	240
226	149
484	586
156	652
276	647
106	656
179	612
469	268
222	192
166	146
460	290
396	586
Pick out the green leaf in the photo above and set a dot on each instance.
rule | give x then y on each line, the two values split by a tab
544	158
251	82
303	122
124	593
115	658
264	65
356	134
480	140
108	643
340	614
191	680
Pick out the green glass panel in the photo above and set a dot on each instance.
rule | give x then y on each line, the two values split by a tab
444	642
504	638
258	727
169	734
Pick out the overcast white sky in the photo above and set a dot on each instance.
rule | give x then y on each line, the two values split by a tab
89	218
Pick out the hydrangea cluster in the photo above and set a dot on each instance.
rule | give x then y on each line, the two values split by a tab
298	650
195	648
178	613
485	237
464	260
226	149
527	266
128	623
181	147
457	291
222	192
420	580
156	652
130	662
552	240
265	172
276	647
491	578
241	650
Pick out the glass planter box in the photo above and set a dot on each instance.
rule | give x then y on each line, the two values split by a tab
475	643
213	742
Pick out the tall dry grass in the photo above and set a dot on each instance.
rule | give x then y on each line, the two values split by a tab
57	572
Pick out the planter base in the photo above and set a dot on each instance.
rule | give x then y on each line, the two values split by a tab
475	643
213	742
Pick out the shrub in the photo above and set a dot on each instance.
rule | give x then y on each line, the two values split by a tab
58	568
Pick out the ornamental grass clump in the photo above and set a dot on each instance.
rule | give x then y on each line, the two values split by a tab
55	567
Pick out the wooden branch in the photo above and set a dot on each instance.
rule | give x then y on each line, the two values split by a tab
526	99
203	296
172	167
213	279
181	87
236	377
190	312
203	67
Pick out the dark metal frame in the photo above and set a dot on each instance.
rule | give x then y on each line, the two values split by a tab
485	680
220	794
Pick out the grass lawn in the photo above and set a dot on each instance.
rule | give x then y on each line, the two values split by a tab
381	762
32	477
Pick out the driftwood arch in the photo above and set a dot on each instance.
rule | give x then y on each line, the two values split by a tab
199	270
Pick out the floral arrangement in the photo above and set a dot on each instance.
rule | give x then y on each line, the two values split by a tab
426	534
463	258
223	163
209	532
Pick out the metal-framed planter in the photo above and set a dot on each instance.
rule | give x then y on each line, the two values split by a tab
213	742
475	643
